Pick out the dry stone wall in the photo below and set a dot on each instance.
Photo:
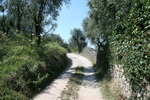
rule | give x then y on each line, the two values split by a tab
119	81
90	53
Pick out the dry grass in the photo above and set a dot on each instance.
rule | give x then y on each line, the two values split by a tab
70	92
116	90
105	88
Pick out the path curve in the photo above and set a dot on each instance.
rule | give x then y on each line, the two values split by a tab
89	90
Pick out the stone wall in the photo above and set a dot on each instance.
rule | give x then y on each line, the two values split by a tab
119	84
90	53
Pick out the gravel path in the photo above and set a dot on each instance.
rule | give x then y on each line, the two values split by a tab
89	89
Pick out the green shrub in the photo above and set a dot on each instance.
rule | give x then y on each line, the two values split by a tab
8	94
26	70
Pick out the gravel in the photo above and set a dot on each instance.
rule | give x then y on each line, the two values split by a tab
89	90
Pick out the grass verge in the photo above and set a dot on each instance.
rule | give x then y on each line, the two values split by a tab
70	92
104	84
105	88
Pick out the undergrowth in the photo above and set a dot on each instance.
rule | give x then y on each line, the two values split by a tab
25	69
106	92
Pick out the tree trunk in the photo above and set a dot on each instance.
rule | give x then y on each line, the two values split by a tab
18	19
38	27
19	24
38	33
98	61
6	28
3	24
38	20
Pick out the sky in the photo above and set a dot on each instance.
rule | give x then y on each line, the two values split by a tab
71	16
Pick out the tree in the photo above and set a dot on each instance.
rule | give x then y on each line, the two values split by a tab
3	20
97	27
42	10
16	10
102	19
30	16
125	23
78	39
103	16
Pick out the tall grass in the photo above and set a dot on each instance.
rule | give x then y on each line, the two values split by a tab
26	69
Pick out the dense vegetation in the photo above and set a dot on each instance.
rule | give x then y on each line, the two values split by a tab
131	47
29	58
120	29
25	69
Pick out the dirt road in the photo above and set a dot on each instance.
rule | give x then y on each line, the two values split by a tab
89	90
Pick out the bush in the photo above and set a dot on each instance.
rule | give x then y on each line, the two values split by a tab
26	70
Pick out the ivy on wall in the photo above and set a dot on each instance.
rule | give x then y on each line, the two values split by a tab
130	46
